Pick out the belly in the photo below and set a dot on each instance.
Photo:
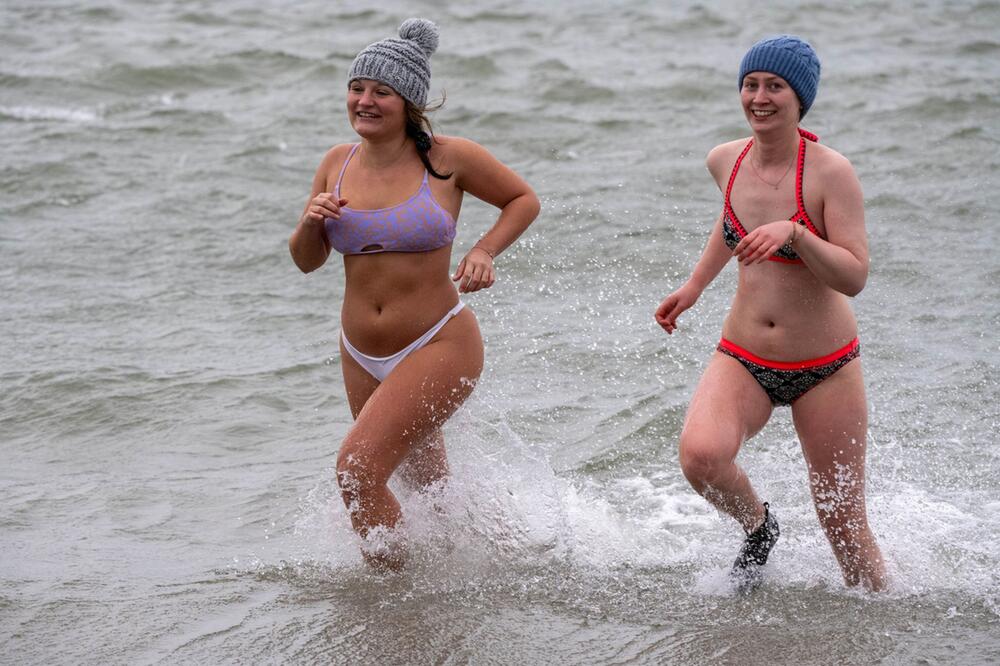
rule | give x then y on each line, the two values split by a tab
391	298
784	313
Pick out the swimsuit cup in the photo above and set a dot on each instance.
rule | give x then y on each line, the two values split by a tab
419	224
733	231
783	381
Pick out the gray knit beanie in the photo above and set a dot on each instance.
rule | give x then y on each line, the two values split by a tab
791	58
402	64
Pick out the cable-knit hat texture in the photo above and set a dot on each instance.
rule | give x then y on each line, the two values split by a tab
403	63
791	58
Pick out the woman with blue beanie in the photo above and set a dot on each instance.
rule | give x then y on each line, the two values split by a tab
793	217
411	351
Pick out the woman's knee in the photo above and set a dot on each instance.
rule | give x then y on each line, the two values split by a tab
357	470
702	459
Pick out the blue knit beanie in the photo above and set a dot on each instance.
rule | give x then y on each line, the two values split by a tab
402	64
791	58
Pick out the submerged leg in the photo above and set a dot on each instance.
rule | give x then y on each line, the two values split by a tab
832	423
401	416
727	409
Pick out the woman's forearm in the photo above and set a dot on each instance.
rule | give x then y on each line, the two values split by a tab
514	219
836	266
308	245
713	259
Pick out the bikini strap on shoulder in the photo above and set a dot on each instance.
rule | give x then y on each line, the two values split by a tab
806	134
736	167
800	168
343	168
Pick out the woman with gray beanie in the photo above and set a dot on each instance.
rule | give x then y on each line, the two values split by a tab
793	217
411	351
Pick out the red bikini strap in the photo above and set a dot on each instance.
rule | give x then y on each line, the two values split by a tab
800	168
736	167
806	134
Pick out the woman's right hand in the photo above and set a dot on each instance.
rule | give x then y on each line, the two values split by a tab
673	305
322	206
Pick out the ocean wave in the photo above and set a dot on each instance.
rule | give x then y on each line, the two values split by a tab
33	113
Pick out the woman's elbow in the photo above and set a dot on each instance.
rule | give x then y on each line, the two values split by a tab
532	206
305	268
852	290
301	262
854	285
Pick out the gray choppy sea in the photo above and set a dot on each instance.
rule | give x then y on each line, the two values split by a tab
170	396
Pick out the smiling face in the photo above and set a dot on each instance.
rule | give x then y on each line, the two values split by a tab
768	101
374	109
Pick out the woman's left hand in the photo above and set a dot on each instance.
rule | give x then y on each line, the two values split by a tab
763	242
475	271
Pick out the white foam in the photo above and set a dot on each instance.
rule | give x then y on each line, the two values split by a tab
504	510
49	113
502	507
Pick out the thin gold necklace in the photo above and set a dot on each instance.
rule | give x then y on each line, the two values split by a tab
773	186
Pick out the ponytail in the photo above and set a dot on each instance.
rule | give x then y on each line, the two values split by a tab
418	128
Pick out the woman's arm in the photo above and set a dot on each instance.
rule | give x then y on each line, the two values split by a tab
713	259
483	176
841	261
308	243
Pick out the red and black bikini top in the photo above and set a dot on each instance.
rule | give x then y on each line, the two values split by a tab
733	231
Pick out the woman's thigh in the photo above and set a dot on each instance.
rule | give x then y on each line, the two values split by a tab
417	397
728	408
832	423
358	382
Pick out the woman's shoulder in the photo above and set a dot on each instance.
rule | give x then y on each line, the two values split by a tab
721	158
828	161
334	157
454	145
338	151
455	153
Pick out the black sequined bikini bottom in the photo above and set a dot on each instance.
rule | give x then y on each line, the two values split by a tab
785	382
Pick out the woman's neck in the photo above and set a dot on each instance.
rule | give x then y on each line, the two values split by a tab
378	153
775	146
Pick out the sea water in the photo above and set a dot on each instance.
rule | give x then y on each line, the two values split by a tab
170	396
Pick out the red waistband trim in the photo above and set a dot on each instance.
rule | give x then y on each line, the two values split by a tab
789	365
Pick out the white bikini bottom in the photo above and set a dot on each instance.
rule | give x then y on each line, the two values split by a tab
379	367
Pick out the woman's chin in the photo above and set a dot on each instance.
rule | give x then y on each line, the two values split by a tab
372	130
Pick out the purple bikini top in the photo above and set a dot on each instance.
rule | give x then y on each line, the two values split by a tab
419	224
